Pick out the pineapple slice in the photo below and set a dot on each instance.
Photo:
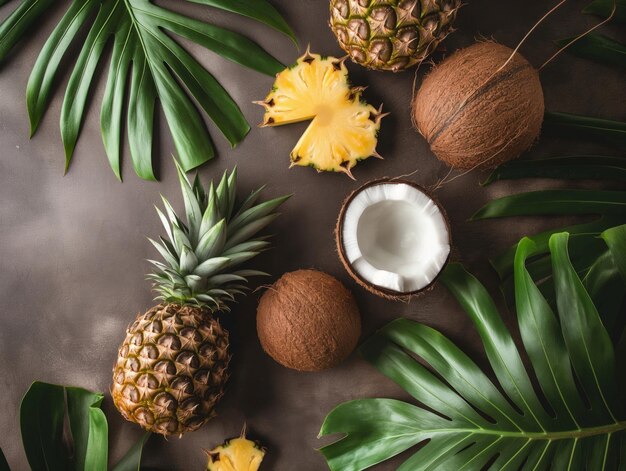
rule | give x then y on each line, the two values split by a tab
343	128
236	454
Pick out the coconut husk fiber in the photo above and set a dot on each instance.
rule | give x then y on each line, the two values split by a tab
308	321
474	113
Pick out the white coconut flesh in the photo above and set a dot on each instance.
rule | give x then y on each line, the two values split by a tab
395	237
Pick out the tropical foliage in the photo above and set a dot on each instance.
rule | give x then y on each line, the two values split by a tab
48	411
605	7
573	420
141	35
599	47
604	208
604	130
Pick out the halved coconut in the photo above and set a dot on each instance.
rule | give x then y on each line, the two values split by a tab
393	238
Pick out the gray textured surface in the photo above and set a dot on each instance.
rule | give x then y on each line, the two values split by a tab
72	248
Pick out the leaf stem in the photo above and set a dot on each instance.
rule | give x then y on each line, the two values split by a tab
561	435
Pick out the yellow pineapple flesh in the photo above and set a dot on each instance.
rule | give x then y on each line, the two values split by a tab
343	128
236	454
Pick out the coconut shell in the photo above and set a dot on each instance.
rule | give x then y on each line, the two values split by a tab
476	116
379	290
308	321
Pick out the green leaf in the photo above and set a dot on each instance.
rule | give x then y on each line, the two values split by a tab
132	459
615	238
239	258
188	260
223	194
544	344
583	236
463	420
252	198
192	206
212	241
42	77
4	464
142	35
249	230
573	167
610	206
113	104
604	284
597	47
256	212
604	8
499	344
42	418
17	24
41	421
211	266
604	130
250	246
230	45
171	260
199	251
256	9
620	360
588	343
89	429
555	202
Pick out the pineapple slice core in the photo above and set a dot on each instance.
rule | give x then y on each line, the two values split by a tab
343	128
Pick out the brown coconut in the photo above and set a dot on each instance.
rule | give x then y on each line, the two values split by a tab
474	115
308	321
378	290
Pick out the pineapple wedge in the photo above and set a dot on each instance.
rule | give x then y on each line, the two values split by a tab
343	128
236	454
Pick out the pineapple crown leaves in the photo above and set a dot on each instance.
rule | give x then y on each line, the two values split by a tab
201	256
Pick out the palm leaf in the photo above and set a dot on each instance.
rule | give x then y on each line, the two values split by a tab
571	167
607	131
465	421
608	206
141	36
597	47
604	8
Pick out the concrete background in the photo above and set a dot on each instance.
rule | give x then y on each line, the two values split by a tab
73	248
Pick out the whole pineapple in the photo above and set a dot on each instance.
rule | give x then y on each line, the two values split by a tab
391	34
173	364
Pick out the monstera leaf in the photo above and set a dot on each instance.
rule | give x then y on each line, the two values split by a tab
48	412
141	35
466	421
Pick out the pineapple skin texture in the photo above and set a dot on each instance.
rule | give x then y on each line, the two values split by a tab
236	454
343	129
172	369
391	34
